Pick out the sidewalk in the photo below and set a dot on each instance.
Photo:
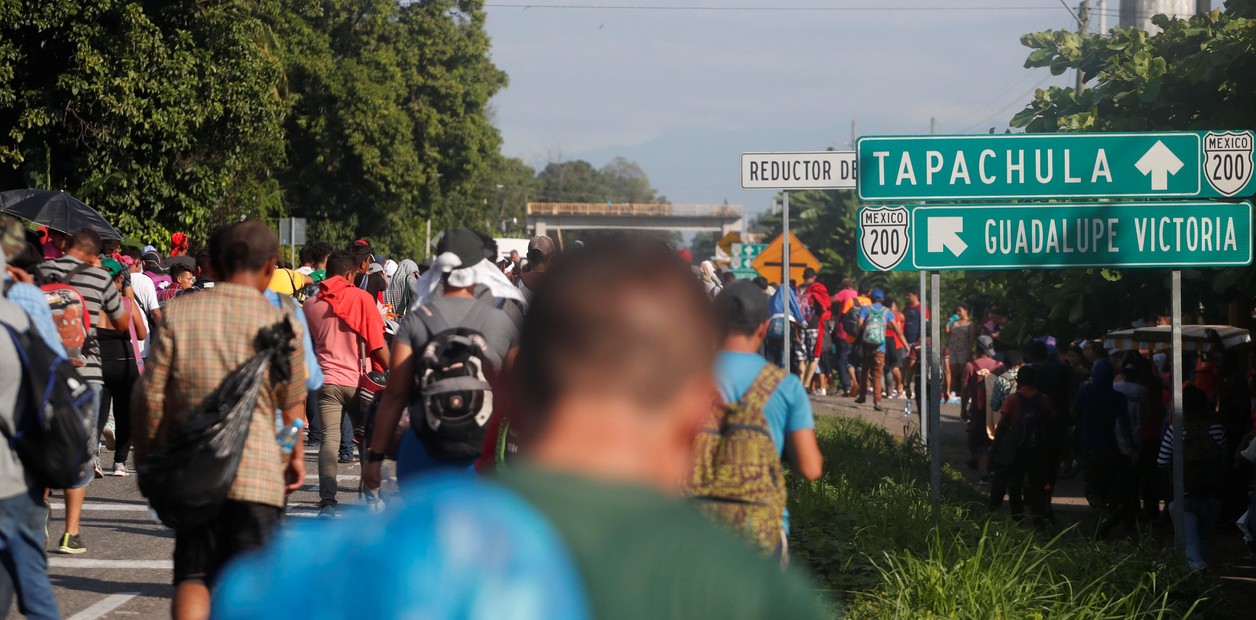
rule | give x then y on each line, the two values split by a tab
1225	549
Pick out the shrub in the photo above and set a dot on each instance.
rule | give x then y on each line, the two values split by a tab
867	529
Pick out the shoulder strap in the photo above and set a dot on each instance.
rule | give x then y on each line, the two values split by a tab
432	320
477	315
69	275
764	385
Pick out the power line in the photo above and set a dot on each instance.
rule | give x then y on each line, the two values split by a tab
1008	106
766	9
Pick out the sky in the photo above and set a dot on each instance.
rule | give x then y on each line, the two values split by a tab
685	92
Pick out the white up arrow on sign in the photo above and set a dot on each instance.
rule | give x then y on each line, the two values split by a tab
944	234
1159	162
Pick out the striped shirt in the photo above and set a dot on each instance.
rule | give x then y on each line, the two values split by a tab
1166	442
201	339
98	292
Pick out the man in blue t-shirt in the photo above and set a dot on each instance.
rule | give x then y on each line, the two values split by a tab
742	311
875	323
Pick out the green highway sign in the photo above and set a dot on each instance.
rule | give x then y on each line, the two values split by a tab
1055	236
1211	164
743	254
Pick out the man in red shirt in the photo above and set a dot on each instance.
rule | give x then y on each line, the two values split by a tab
344	323
816	295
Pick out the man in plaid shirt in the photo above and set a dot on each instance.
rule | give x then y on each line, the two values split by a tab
202	339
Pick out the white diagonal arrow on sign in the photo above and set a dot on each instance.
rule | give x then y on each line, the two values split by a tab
944	234
1159	162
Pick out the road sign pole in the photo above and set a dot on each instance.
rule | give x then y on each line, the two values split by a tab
935	404
922	363
292	241
788	291
1179	512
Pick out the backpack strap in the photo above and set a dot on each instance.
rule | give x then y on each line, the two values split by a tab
69	275
432	320
477	315
756	398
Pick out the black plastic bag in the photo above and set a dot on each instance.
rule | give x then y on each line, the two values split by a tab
187	476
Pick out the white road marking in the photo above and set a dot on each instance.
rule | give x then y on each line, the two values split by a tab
338	478
63	562
104	606
104	507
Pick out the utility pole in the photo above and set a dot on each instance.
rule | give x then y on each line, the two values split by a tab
1083	28
933	125
853	135
1103	17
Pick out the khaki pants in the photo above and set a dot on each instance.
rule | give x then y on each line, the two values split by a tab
332	402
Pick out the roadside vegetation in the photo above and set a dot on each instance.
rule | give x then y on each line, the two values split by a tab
868	532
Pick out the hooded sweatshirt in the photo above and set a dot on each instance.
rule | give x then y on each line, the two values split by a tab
1097	408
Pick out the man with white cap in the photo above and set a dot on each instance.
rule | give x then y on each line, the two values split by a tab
445	300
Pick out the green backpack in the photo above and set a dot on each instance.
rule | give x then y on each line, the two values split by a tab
874	328
737	476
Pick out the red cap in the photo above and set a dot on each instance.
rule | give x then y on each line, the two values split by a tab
686	256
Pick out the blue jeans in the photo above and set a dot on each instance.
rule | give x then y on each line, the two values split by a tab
25	567
97	387
843	363
1200	516
413	461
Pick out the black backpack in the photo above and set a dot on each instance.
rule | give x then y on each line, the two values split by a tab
1030	430
451	385
1204	460
55	434
851	320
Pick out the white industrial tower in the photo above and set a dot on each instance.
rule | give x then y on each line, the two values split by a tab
1138	13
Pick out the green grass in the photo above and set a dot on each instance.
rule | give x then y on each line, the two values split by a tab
867	530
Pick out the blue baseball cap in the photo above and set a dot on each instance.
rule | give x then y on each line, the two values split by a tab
878	295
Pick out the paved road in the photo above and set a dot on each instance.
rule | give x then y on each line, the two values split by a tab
126	571
127	568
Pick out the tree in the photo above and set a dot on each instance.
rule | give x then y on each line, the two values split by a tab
620	181
164	115
1193	75
389	120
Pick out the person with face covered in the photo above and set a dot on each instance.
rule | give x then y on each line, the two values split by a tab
448	293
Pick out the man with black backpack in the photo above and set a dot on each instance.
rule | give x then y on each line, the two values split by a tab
446	359
23	565
1023	442
1204	468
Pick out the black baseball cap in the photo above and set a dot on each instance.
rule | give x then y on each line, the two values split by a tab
741	307
463	243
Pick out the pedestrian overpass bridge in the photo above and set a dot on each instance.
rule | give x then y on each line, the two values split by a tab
544	216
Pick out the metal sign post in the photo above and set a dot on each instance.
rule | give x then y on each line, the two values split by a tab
1179	460
935	403
922	363
787	292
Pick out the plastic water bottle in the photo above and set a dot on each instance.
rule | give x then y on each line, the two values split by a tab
907	408
289	435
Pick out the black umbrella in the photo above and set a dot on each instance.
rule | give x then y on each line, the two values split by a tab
56	210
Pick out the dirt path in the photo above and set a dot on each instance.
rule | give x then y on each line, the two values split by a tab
1225	550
